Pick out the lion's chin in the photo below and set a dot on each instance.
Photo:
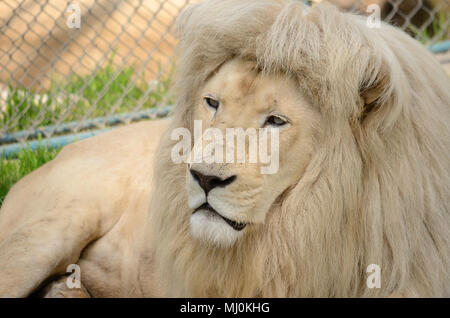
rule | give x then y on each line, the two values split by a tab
210	228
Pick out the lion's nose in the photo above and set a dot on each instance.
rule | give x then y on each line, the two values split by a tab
207	183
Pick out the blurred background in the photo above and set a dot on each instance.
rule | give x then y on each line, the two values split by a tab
60	83
120	60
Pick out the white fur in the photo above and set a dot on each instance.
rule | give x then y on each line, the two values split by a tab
212	229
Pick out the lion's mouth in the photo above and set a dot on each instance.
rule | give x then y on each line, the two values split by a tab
235	225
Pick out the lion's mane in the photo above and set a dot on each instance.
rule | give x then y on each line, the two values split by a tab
375	192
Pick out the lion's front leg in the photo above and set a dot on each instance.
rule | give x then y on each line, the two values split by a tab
44	247
60	288
46	222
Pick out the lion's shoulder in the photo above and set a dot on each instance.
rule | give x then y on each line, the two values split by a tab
96	171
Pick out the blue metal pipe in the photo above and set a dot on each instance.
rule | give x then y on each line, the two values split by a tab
11	151
87	124
440	47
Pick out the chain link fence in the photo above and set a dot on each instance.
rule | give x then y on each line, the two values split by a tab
82	65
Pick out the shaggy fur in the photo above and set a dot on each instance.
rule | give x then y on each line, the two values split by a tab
374	187
376	190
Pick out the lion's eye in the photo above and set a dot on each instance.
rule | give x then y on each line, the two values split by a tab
211	102
275	121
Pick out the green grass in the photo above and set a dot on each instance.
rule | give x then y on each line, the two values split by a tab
109	90
12	170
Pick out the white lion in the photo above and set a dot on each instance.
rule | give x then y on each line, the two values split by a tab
364	176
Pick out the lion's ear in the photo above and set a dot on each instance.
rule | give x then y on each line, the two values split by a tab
374	91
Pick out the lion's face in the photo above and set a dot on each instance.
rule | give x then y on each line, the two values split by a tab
229	199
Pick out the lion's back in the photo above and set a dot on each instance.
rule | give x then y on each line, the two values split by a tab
95	173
